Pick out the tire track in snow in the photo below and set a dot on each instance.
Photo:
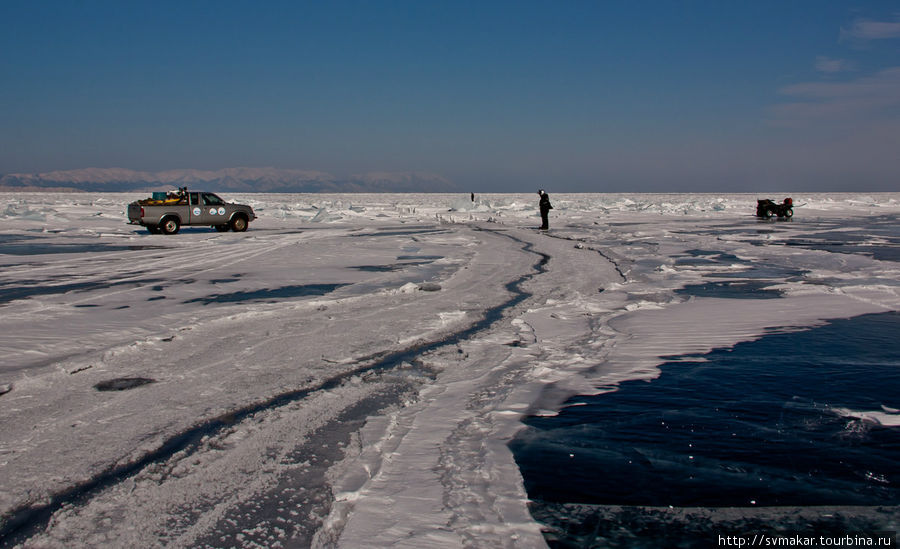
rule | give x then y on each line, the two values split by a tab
22	524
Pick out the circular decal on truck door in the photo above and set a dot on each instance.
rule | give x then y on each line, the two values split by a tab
212	211
221	211
196	211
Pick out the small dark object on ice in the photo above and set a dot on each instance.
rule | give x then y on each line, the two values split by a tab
767	208
122	383
430	287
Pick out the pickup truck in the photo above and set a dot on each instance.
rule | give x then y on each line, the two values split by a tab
166	212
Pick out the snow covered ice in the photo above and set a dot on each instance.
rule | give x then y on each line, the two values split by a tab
350	370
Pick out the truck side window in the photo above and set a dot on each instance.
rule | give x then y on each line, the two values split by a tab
212	200
195	198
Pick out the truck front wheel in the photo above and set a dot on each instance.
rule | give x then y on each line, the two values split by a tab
169	225
239	224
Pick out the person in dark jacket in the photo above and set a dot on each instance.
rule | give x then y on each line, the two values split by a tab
545	209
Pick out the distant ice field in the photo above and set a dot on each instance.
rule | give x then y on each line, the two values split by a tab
373	370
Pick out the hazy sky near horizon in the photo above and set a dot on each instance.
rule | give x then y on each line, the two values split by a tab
588	96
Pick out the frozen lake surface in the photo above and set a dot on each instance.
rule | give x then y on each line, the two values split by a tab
775	422
358	370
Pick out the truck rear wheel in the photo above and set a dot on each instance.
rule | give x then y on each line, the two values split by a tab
169	225
239	224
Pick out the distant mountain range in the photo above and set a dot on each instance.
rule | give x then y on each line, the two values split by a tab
268	180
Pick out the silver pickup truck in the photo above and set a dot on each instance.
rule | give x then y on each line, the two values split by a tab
166	212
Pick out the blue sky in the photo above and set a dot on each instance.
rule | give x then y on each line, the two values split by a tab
495	96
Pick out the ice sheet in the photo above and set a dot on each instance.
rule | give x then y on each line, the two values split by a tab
276	381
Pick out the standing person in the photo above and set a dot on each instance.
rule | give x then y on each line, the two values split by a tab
545	209
473	197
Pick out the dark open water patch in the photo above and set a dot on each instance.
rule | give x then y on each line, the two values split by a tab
737	289
752	281
379	268
880	249
122	383
422	258
233	278
766	271
709	257
28	288
394	267
751	426
877	236
747	269
16	248
577	526
412	231
8	238
269	295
